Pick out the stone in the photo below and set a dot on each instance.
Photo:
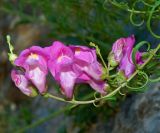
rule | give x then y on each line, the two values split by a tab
140	113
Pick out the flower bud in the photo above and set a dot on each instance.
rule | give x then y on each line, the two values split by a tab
112	61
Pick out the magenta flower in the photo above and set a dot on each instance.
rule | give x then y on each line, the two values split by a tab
60	65
69	63
126	63
122	51
118	49
85	60
34	61
23	83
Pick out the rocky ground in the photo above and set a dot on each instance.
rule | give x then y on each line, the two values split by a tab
139	113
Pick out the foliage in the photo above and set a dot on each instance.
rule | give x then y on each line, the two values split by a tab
72	20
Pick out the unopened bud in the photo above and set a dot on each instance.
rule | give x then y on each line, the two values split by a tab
112	61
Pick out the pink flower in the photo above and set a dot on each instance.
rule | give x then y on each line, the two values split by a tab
23	83
60	66
126	63
118	48
89	69
74	64
122	52
85	60
34	61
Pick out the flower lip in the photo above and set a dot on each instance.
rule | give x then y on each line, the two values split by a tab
83	53
31	54
34	61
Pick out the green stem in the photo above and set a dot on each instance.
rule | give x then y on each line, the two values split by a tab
102	60
150	17
155	80
48	95
99	54
9	43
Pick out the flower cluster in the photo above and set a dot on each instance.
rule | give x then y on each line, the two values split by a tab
70	65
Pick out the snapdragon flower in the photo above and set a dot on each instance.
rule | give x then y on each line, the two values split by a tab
89	69
34	61
121	55
75	64
126	63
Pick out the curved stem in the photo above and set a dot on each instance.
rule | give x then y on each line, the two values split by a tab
128	9
99	54
150	17
132	21
48	95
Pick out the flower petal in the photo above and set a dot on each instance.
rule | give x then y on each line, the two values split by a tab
60	57
67	81
38	78
22	83
99	86
121	46
83	53
126	63
32	56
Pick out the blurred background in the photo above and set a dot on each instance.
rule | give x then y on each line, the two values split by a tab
78	22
